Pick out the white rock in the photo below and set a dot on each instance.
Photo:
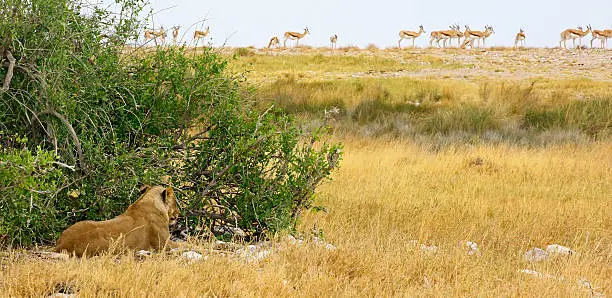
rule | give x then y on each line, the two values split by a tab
472	248
251	253
324	244
61	295
535	255
538	274
559	249
143	253
192	256
53	255
429	249
584	283
296	242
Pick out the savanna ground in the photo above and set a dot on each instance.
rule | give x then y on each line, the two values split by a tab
509	149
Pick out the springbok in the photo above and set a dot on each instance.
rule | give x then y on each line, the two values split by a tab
197	35
520	38
332	40
175	33
152	34
273	42
405	34
573	34
295	36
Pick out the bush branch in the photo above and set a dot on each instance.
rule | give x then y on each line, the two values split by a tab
9	73
71	130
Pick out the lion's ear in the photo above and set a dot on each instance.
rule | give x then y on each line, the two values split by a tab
144	188
166	193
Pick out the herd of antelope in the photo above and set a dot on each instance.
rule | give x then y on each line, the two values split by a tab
445	36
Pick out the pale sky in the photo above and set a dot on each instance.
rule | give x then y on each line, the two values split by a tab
359	22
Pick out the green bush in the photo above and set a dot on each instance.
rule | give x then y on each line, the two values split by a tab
123	116
29	180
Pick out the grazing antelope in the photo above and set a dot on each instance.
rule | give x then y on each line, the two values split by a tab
603	36
273	42
333	39
480	35
573	34
520	38
197	35
405	34
152	34
175	32
295	36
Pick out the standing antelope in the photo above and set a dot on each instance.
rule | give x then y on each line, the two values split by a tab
435	35
603	36
152	34
295	36
273	42
197	35
175	32
468	38
405	34
573	34
448	35
333	39
480	35
520	38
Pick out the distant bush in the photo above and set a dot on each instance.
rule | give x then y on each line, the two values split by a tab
244	52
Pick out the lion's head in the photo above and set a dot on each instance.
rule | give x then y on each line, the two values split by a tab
166	196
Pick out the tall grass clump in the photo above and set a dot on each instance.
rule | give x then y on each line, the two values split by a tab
591	116
94	118
467	117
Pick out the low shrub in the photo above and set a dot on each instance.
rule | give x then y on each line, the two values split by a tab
123	116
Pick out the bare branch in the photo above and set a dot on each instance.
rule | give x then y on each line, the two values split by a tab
9	73
71	130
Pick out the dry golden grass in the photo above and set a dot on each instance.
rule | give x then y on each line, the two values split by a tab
387	193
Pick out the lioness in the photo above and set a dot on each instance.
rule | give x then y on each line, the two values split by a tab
144	226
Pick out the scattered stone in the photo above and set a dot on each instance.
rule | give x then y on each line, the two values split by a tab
252	253
296	242
319	242
584	283
471	246
540	275
538	254
535	255
429	249
61	295
193	256
559	249
143	253
51	255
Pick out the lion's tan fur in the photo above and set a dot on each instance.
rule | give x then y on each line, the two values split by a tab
144	226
